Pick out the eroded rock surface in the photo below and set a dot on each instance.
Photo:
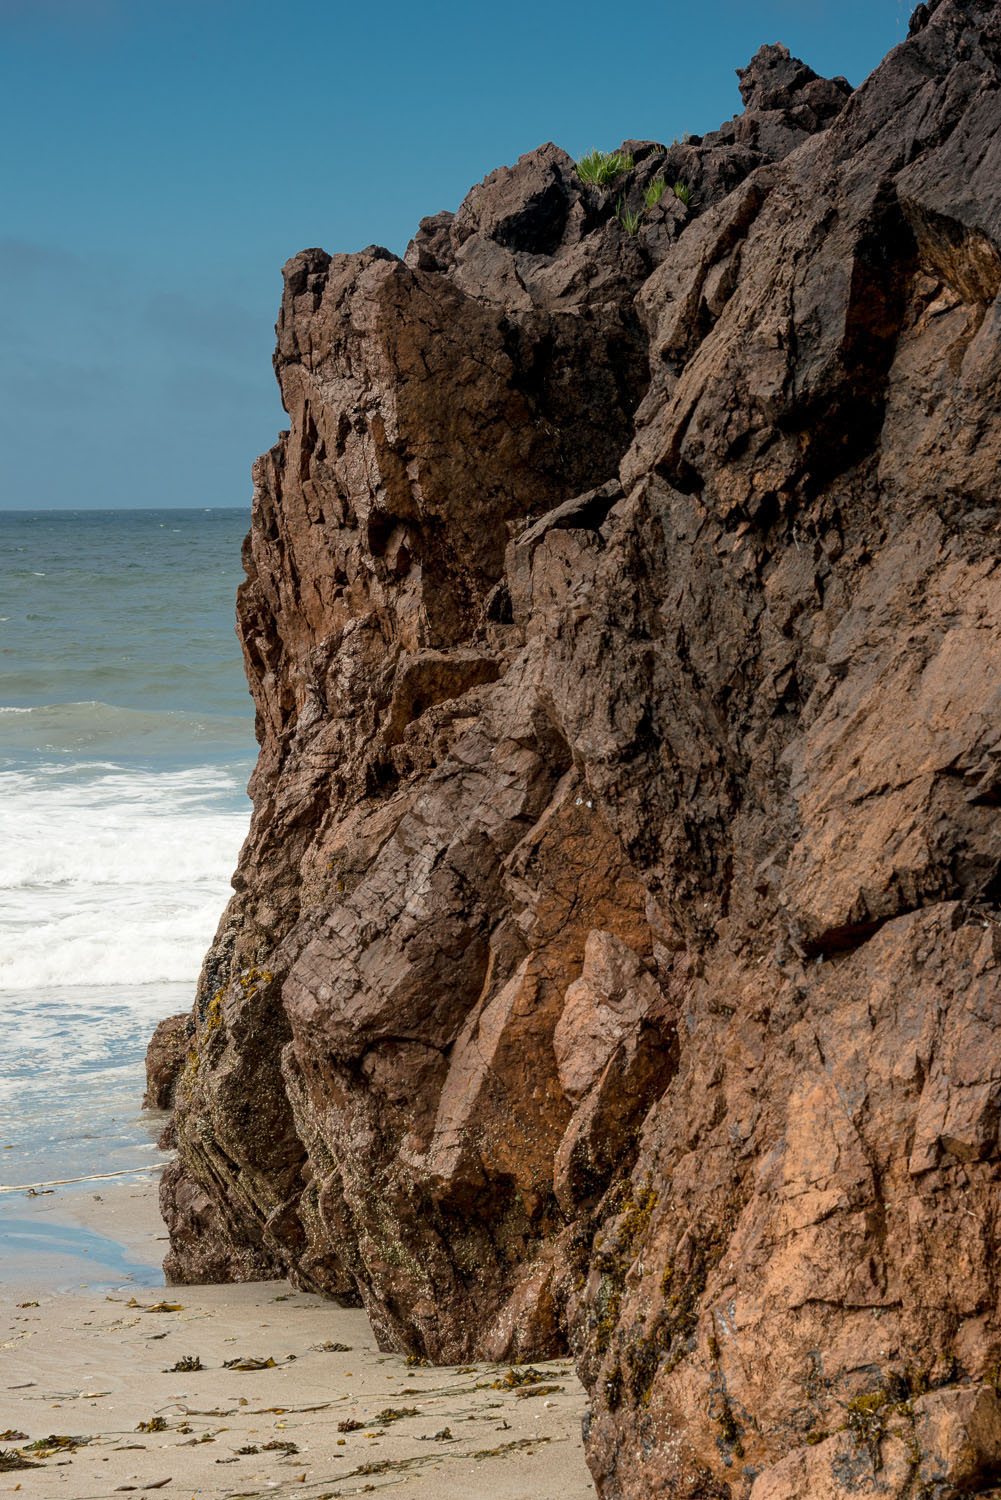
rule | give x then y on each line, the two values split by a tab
614	958
165	1057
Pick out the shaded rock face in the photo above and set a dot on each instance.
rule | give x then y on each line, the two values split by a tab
165	1057
614	958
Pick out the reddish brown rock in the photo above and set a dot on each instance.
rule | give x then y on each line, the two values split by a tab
165	1056
614	958
944	1443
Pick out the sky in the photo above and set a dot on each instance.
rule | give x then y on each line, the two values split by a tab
161	159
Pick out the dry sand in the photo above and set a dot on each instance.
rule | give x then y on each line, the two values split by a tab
93	1363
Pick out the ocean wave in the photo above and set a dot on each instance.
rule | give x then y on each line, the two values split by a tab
72	1078
55	1032
114	876
91	726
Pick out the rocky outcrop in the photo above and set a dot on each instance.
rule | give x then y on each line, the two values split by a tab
614	958
165	1057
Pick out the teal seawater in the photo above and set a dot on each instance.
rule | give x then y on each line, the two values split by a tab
132	610
126	741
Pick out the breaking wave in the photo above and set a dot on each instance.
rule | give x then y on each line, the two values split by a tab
114	875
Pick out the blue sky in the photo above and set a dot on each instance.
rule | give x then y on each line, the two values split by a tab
161	159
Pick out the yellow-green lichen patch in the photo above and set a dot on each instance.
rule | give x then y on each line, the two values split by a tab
251	981
866	1419
643	1356
609	1305
213	1014
728	1429
189	1072
682	1292
633	1209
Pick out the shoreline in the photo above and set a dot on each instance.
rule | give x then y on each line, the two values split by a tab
91	1234
94	1363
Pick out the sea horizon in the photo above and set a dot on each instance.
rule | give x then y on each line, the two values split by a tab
113	510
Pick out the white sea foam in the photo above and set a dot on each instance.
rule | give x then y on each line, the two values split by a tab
125	744
71	1079
52	1034
113	876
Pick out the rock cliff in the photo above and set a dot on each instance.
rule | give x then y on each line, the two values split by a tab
614	960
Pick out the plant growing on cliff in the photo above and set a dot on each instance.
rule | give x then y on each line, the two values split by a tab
600	167
629	220
654	191
683	193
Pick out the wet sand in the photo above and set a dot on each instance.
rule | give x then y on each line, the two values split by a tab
92	1356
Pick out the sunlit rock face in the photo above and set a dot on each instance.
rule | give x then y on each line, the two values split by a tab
614	956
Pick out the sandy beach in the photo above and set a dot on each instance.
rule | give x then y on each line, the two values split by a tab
98	1393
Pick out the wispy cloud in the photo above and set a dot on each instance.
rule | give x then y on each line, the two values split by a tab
19	257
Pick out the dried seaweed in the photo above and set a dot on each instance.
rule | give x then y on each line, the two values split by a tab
9	1461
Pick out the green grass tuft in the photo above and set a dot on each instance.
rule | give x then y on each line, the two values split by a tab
683	193
629	220
654	191
601	167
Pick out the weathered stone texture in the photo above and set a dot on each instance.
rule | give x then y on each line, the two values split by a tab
165	1057
614	960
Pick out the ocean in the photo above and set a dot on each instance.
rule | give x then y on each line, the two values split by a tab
126	741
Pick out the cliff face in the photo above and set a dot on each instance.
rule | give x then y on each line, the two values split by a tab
614	959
